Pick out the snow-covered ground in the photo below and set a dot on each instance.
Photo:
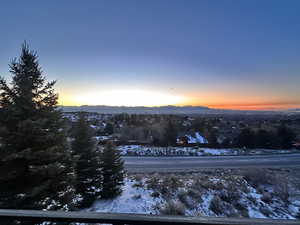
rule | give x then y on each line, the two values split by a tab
133	199
193	195
140	150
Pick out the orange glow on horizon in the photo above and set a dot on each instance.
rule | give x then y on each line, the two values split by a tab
212	101
217	106
255	107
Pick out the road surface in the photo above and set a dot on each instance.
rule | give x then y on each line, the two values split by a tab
169	164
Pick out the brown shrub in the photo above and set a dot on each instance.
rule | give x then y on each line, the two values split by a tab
194	193
137	196
266	211
230	196
216	205
153	182
185	198
257	177
242	208
281	188
173	183
205	183
253	200
138	177
155	194
266	197
173	208
138	185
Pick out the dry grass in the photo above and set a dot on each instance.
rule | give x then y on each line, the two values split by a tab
186	191
257	177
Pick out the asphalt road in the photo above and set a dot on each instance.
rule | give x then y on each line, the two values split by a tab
169	164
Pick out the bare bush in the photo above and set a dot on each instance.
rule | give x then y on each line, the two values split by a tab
236	183
266	211
166	186
194	194
138	185
266	197
133	133
182	196
220	207
281	188
189	202
257	177
252	199
173	183
242	208
138	177
203	182
216	205
155	194
153	182
137	196
230	196
173	208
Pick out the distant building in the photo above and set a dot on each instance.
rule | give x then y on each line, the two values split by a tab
296	145
195	138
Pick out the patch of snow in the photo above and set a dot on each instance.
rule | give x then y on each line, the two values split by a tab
215	151
140	150
197	138
132	200
102	138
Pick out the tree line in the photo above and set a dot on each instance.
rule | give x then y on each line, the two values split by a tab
40	166
281	138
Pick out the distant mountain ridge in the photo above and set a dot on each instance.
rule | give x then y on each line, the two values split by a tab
170	109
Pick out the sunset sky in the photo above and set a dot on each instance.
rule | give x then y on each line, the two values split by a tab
233	54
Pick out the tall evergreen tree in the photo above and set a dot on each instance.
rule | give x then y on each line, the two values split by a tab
36	165
285	137
88	167
170	134
263	139
212	138
112	171
246	138
109	129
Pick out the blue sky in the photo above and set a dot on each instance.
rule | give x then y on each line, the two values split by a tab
232	54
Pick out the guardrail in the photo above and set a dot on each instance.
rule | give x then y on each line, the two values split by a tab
123	218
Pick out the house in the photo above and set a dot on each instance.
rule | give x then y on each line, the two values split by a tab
296	145
195	138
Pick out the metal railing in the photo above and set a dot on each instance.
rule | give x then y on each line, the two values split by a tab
124	218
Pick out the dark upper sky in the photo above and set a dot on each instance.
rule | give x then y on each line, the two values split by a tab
229	54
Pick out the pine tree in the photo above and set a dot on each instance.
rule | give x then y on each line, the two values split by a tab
285	137
170	134
246	138
112	171
213	139
109	129
263	139
36	165
88	170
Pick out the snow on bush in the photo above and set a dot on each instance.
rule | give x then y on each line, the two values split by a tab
228	193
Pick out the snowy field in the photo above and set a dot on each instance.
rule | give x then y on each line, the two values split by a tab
229	193
139	150
175	151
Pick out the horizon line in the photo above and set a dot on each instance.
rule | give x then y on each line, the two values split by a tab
194	106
